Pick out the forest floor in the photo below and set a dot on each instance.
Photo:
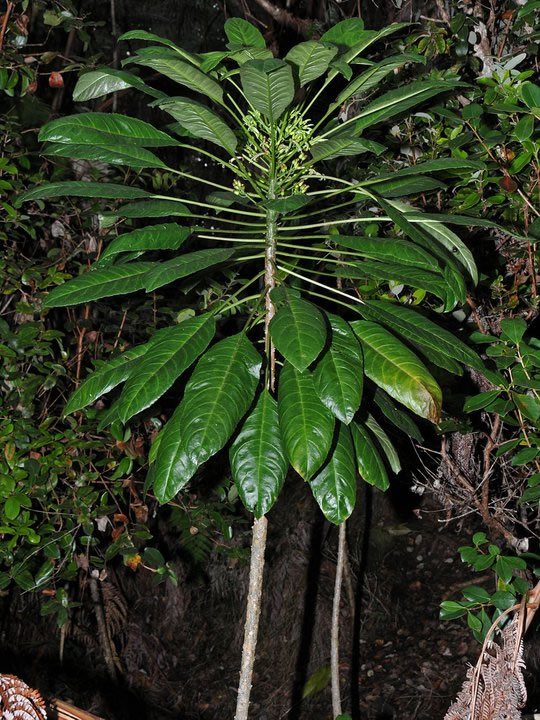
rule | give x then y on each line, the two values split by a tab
179	648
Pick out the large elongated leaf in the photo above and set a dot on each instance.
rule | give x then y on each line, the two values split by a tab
104	129
306	425
298	330
391	249
369	37
217	395
374	75
399	187
185	74
346	33
144	35
200	121
106	377
397	101
103	81
455	284
150	208
421	330
385	443
394	368
268	85
100	283
240	32
339	374
184	265
78	188
453	244
343	145
165	236
135	157
258	461
334	487
396	415
311	59
432	282
370	464
440	164
164	362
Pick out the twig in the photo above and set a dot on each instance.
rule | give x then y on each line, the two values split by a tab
103	634
489	520
4	24
303	26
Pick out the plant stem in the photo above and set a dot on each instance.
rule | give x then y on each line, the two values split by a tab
253	611
334	639
258	540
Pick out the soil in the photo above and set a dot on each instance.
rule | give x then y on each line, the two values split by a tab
178	648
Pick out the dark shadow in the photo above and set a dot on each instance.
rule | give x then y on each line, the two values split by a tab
308	622
355	660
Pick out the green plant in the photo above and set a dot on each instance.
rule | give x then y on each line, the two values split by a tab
290	380
480	606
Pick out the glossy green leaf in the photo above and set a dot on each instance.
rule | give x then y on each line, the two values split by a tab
298	330
104	81
100	283
344	145
165	236
104	129
268	85
200	121
454	245
153	51
149	209
396	415
258	461
185	74
439	359
105	378
530	94
477	402
374	75
144	35
385	443
311	59
400	187
241	32
368	37
513	329
346	33
184	265
414	277
394	368
78	188
307	426
135	157
398	101
338	376
391	249
163	363
334	487
429	166
246	54
415	230
216	397
370	464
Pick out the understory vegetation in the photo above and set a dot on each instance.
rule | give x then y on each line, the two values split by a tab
300	246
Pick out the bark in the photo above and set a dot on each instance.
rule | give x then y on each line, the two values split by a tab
253	611
334	641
